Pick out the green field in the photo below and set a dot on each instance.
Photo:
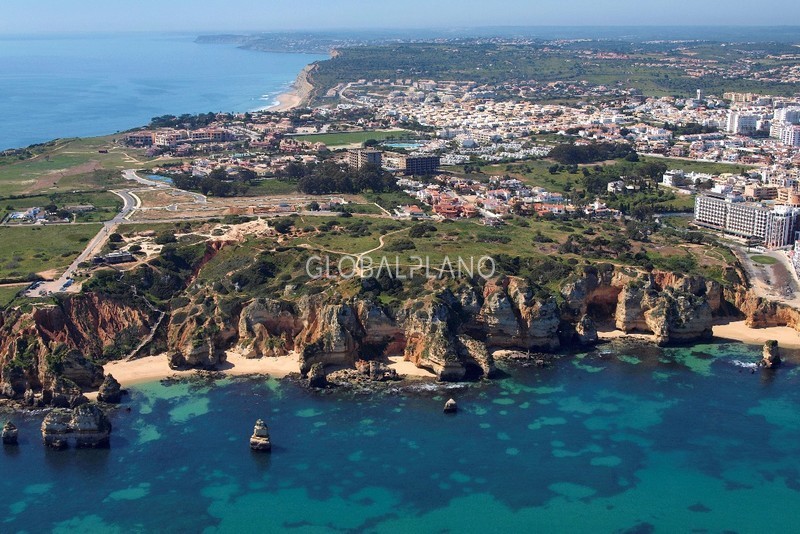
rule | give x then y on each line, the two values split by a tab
352	138
67	165
700	166
764	260
9	293
272	186
34	249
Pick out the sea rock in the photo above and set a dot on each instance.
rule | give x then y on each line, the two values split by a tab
586	332
110	391
771	355
376	371
316	376
450	406
63	394
260	441
10	433
86	426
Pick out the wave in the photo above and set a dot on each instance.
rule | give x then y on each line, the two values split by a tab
746	365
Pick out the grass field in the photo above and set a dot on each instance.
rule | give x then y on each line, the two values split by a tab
351	138
8	294
36	249
272	187
699	166
68	164
764	260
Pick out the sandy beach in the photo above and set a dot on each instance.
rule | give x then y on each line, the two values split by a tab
131	372
298	94
734	331
739	331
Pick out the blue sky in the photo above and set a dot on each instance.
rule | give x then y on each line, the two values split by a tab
25	16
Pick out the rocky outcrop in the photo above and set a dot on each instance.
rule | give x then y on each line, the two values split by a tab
376	371
10	434
268	327
586	332
678	313
66	341
110	391
430	341
450	406
332	336
771	355
260	440
199	333
84	427
512	317
316	376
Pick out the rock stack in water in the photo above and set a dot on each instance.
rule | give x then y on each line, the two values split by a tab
110	391
450	406
316	376
87	427
10	434
772	357
259	441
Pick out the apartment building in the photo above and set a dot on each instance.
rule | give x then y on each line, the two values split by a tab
358	158
742	123
772	227
421	165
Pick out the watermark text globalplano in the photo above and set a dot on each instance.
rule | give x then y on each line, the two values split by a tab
363	267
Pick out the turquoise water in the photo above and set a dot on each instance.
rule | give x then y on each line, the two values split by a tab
626	438
84	85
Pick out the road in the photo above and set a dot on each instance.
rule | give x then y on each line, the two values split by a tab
129	205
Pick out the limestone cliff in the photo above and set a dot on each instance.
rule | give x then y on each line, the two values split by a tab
199	333
50	354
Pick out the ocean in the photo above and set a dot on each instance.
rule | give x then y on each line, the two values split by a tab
87	85
628	438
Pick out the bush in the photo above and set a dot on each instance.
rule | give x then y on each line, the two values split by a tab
165	239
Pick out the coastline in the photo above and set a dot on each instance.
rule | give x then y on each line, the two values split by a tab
297	95
151	368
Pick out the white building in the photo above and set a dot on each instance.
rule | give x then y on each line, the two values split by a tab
790	136
742	123
772	227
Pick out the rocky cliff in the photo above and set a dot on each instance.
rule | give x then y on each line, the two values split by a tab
49	354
